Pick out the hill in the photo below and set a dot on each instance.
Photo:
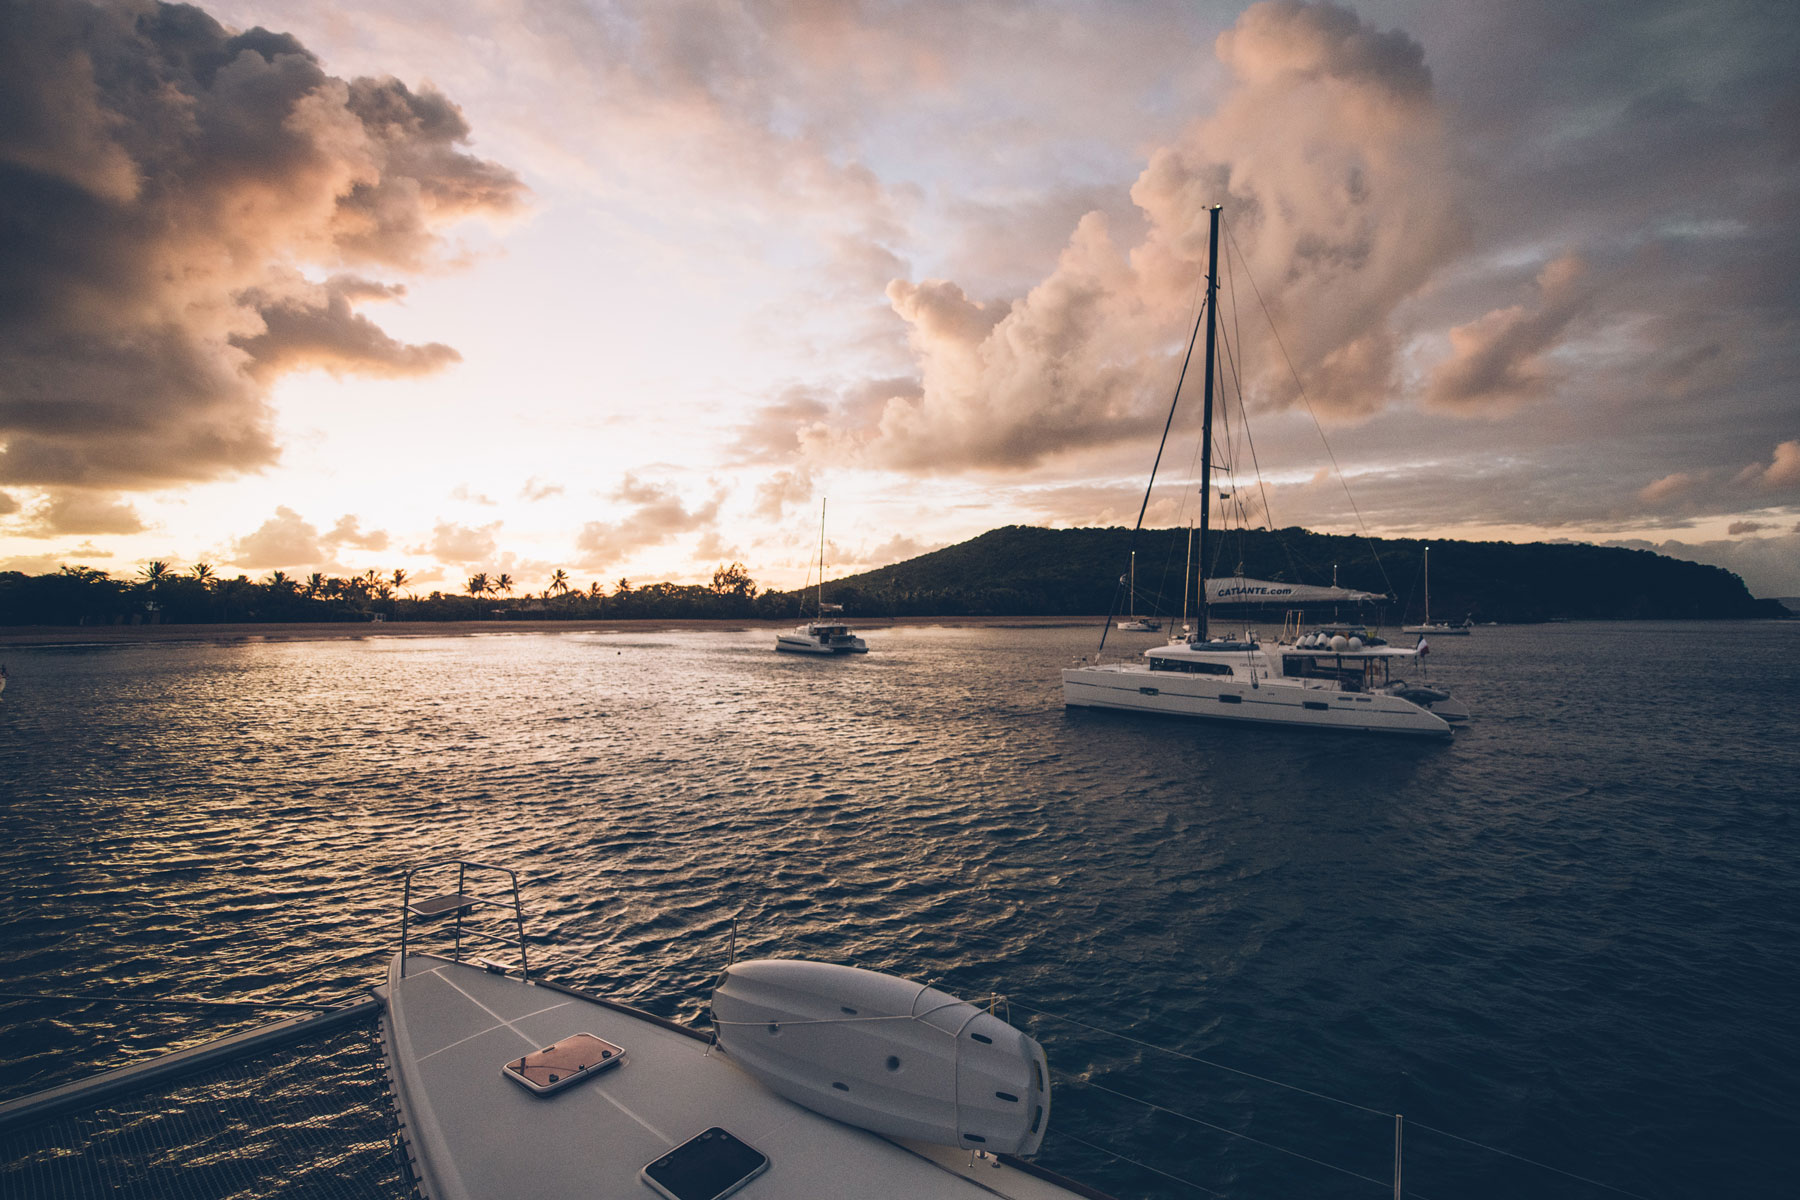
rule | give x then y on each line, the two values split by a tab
1021	570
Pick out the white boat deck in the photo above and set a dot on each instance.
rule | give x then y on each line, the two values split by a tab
480	1136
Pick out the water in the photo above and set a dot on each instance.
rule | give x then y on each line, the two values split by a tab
1570	933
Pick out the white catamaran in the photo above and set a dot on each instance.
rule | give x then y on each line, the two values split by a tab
820	636
1321	682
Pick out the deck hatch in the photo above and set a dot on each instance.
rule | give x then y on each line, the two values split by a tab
575	1058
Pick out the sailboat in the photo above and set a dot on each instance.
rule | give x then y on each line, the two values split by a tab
1321	681
1137	624
1428	627
820	636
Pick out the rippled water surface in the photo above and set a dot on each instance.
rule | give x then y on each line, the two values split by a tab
1570	933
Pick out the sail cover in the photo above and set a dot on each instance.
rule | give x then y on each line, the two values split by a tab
1239	590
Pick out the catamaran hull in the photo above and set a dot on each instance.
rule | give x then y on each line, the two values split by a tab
794	645
1175	694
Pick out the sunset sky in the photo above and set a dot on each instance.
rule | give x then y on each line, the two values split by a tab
627	288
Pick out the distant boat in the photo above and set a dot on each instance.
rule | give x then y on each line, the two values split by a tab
1137	624
1428	627
1320	681
820	636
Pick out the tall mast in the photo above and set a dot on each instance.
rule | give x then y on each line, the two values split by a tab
821	601
1428	585
1212	296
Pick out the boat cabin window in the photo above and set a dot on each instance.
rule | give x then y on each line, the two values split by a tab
1190	668
1349	677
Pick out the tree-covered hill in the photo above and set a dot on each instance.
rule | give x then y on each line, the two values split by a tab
1021	570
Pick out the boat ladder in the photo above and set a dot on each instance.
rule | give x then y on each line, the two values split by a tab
505	915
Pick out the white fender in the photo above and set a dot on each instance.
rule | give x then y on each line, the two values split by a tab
884	1053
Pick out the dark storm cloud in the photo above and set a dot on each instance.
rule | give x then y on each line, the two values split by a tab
163	182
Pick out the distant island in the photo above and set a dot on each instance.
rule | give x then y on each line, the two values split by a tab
1015	571
1023	570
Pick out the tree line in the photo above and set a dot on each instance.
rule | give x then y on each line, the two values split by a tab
160	594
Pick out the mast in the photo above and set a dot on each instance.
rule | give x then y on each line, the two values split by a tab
1428	585
1187	573
821	600
1212	296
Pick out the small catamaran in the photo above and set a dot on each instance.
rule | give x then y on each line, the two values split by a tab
820	636
1329	681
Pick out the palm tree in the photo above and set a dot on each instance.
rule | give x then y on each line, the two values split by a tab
503	584
399	578
278	582
203	572
315	583
154	571
478	584
559	581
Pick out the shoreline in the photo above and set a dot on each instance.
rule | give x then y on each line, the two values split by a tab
107	635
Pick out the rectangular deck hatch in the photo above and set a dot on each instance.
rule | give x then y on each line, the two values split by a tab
577	1057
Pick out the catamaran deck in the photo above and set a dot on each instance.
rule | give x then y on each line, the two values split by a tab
475	1134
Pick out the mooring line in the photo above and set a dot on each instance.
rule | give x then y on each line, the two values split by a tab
1206	1062
1319	1162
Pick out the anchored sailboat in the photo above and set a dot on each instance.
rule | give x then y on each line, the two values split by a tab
1333	681
1428	627
1137	624
820	636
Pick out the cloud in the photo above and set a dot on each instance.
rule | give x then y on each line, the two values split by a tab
78	511
289	540
1328	154
1782	473
781	491
463	492
1669	486
536	489
312	325
348	532
464	544
1741	527
1499	360
7	504
658	515
284	540
712	548
165	184
897	549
